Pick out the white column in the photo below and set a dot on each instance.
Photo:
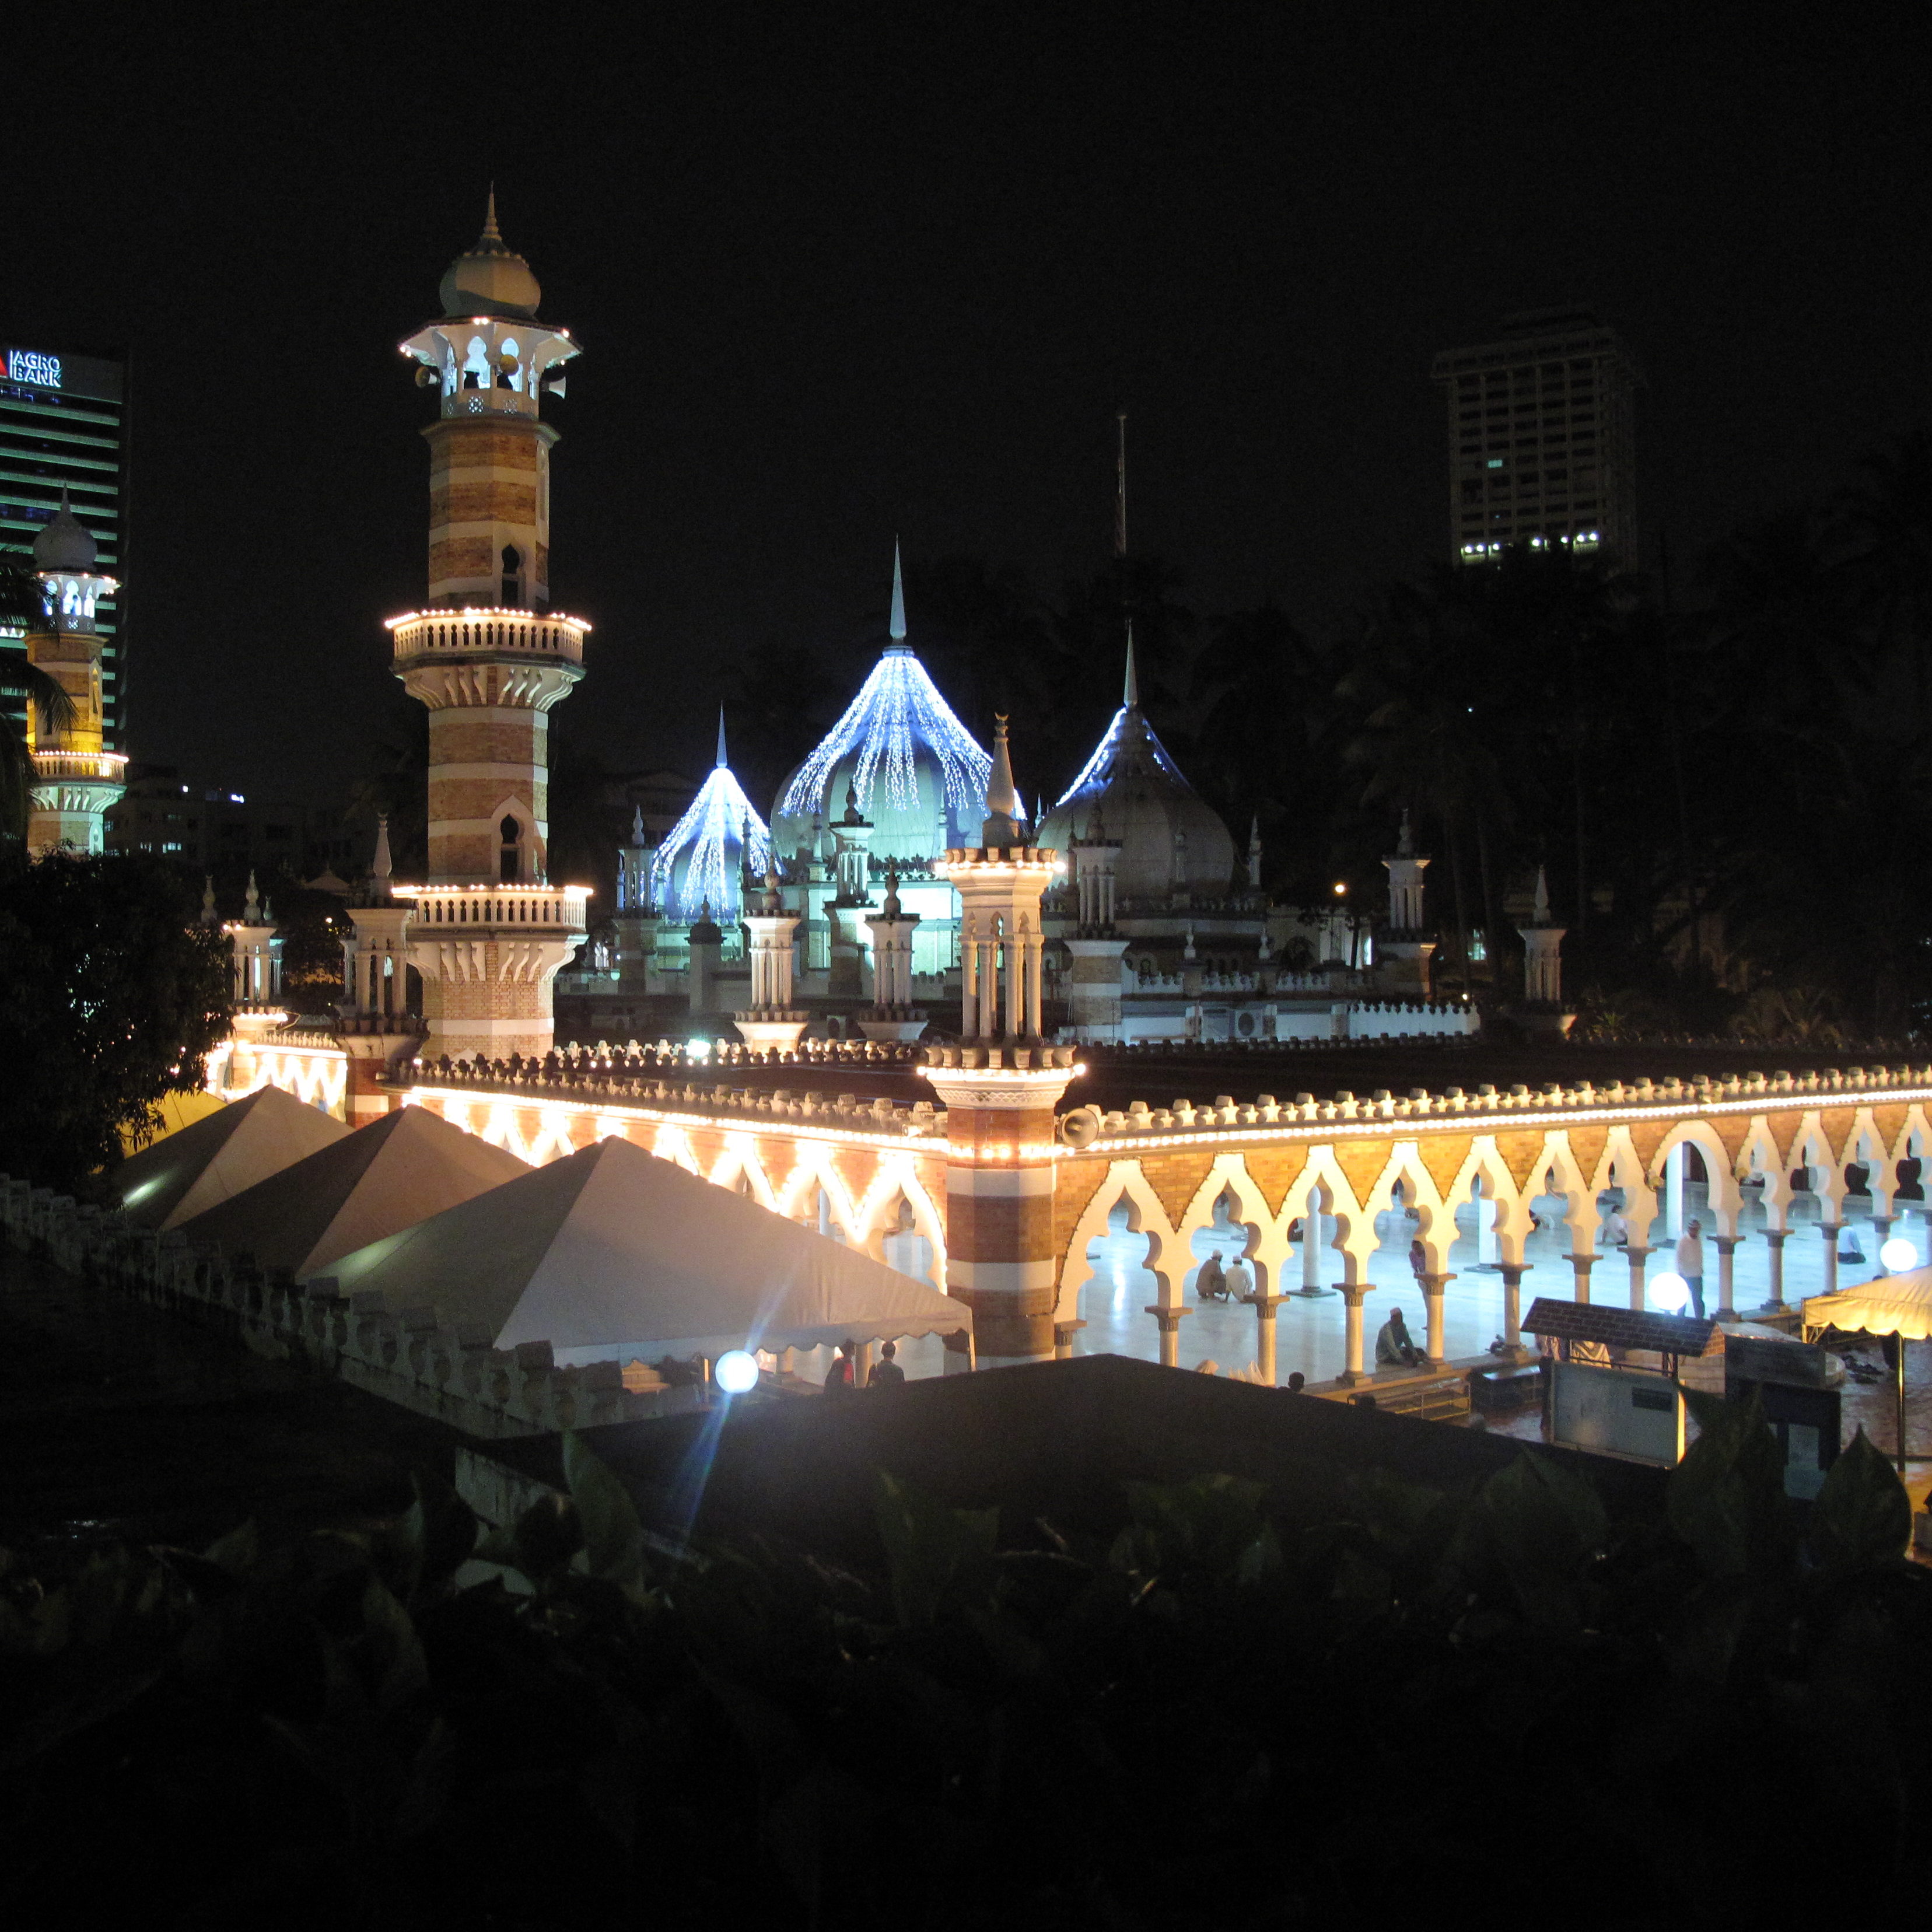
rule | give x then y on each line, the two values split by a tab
1673	1190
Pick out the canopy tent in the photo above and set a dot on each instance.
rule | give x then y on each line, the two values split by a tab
613	1253
1893	1304
177	1111
382	1178
190	1171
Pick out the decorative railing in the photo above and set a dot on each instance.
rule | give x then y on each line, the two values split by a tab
453	909
474	632
78	767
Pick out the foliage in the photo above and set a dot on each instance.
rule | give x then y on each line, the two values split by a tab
1211	1715
110	997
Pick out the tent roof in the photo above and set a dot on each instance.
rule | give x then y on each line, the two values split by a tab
385	1176
193	1170
177	1111
614	1251
1893	1304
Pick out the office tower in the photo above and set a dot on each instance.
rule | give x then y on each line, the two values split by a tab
1541	446
63	426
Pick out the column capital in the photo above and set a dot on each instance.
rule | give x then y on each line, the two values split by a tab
1729	1244
1775	1237
1168	1320
1583	1264
1265	1305
1434	1284
1635	1255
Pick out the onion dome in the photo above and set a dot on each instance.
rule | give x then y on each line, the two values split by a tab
490	280
1171	839
698	873
65	545
914	772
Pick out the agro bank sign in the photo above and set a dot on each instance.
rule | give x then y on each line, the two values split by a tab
31	365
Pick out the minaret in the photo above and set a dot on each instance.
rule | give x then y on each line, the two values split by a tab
489	659
771	1023
1542	1008
76	778
1406	950
255	951
1000	1086
893	1016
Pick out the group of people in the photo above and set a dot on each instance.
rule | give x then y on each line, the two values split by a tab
842	1377
1231	1281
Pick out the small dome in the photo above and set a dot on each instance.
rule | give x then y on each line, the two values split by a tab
65	545
697	873
900	756
1132	792
490	280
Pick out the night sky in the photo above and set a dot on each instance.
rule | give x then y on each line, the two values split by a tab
842	271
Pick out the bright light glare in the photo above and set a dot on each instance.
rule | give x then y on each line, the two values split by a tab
1898	1253
1670	1292
735	1372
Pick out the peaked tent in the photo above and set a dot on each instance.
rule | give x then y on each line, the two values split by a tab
612	1253
177	1111
1892	1304
380	1178
193	1170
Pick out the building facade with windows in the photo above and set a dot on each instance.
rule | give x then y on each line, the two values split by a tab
63	422
1542	443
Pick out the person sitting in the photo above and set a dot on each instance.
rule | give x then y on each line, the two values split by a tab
887	1373
1395	1347
1297	1382
1236	1282
1211	1284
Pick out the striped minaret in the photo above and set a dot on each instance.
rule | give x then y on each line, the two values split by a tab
490	659
1001	1086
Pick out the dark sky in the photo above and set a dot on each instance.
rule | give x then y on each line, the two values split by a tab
841	271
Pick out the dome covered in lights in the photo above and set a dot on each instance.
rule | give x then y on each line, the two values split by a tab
698	871
490	280
1132	791
913	772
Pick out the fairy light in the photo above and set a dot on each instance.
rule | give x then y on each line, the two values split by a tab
898	712
706	850
1129	731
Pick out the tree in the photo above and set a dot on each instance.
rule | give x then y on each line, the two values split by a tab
110	997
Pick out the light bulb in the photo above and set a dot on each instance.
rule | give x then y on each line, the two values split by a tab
1670	1292
1897	1254
736	1372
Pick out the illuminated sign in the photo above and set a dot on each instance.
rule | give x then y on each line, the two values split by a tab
29	365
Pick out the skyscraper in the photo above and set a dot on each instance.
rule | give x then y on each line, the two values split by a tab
1541	446
63	426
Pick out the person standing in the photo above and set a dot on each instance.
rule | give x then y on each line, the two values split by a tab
887	1373
839	1378
1690	1266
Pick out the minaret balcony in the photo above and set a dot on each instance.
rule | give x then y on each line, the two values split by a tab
80	767
453	910
543	635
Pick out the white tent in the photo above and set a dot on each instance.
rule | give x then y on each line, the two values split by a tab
1893	1304
382	1178
613	1254
189	1172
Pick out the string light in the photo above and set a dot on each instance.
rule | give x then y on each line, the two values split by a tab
898	712
1114	756
704	857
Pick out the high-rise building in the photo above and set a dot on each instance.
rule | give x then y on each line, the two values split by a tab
63	426
1542	449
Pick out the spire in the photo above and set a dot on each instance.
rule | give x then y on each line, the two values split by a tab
491	232
638	835
1120	489
720	735
1130	694
898	598
380	870
1003	799
891	909
1405	844
1542	917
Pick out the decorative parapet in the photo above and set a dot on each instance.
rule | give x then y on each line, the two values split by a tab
1305	1118
446	911
648	1084
54	767
475	633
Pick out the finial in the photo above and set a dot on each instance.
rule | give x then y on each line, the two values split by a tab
1405	844
249	905
208	913
1187	952
720	735
890	910
1130	693
898	598
1542	898
853	816
1254	833
771	905
380	870
1003	800
638	835
489	230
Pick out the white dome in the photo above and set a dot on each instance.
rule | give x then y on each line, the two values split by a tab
703	858
1171	839
915	773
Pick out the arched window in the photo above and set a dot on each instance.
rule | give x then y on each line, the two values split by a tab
512	591
510	860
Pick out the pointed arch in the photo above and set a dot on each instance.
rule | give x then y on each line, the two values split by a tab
1724	1199
1267	1246
1127	1184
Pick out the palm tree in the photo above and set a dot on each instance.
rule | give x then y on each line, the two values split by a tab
21	607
